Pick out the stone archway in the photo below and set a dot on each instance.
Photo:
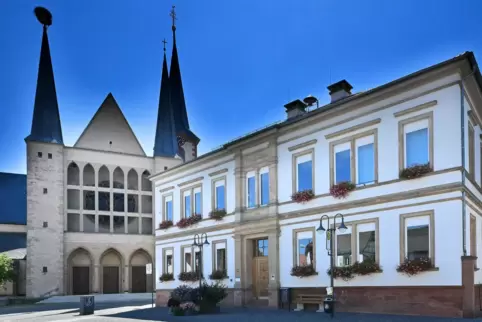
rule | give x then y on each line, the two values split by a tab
80	270
139	281
111	271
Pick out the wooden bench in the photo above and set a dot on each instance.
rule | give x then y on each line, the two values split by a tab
303	299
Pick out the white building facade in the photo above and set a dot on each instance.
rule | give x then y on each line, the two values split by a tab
367	139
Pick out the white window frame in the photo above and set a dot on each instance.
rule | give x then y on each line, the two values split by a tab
165	253
251	175
412	124
414	219
301	157
169	197
216	183
262	171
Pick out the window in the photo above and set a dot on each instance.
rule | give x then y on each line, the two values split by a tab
167	211
251	191
473	236
261	247
39	154
191	201
197	260
219	194
304	246
417	236
219	255
471	148
187	258
264	193
358	243
416	140
168	260
354	159
49	155
303	171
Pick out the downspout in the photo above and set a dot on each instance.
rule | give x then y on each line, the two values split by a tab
462	123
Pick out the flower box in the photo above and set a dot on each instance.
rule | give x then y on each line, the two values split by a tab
346	273
303	196
415	266
188	276
218	275
303	271
165	224
415	171
166	277
342	189
217	214
189	221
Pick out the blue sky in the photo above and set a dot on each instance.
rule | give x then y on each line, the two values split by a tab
241	60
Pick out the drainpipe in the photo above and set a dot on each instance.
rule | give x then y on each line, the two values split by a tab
462	139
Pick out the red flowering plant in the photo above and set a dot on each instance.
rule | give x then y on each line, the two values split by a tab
415	171
165	224
413	267
342	189
303	271
303	196
189	221
217	214
348	272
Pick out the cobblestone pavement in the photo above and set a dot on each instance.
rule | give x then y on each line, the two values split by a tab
141	312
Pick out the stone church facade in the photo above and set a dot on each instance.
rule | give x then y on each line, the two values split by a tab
89	217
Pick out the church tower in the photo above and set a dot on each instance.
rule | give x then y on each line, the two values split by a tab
45	180
187	140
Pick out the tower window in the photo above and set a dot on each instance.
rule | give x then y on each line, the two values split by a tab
50	155
165	168
46	224
45	191
44	269
39	154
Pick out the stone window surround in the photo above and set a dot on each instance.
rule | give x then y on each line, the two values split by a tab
426	213
352	139
256	173
164	261
191	193
295	243
213	192
213	246
354	237
401	138
163	198
193	258
471	148
294	169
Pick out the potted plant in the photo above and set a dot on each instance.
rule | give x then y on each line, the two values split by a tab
217	214
165	224
165	277
188	276
415	171
342	189
303	196
189	221
303	271
415	266
218	274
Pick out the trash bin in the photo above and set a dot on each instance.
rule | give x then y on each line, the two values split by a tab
87	305
329	304
285	297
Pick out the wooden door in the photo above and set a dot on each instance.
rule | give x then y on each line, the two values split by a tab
80	280
139	279
260	276
110	279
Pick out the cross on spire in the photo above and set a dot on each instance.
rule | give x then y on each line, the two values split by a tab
174	17
165	42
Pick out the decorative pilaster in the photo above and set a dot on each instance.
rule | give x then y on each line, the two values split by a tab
468	302
239	284
273	267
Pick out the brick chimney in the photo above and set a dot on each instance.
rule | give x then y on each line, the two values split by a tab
295	108
339	90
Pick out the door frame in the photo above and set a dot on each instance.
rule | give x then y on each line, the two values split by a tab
119	278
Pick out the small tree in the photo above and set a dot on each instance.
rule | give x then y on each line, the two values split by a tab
6	269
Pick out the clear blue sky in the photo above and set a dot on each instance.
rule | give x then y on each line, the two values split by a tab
241	60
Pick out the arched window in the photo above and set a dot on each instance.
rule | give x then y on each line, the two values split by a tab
104	177
118	178
73	176
146	183
132	180
89	176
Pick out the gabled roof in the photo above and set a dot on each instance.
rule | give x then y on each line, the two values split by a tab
46	125
13	198
165	144
108	130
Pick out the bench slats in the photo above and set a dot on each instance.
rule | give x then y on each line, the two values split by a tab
310	298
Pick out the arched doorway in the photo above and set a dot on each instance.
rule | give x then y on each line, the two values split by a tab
140	281
80	270
111	271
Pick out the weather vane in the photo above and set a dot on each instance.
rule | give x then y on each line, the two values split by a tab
174	17
43	16
165	42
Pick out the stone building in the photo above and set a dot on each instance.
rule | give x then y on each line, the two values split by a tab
400	162
85	212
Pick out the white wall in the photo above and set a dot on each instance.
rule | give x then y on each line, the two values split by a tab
446	137
207	258
448	233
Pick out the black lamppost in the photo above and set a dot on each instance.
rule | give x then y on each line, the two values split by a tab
330	238
198	241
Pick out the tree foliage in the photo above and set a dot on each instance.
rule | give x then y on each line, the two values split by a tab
6	269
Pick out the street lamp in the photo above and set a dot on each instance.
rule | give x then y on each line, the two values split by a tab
198	241
330	237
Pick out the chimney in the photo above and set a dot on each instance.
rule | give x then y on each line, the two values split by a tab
339	90
295	108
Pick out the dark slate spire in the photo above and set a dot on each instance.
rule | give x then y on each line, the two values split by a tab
165	142
46	118
177	94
